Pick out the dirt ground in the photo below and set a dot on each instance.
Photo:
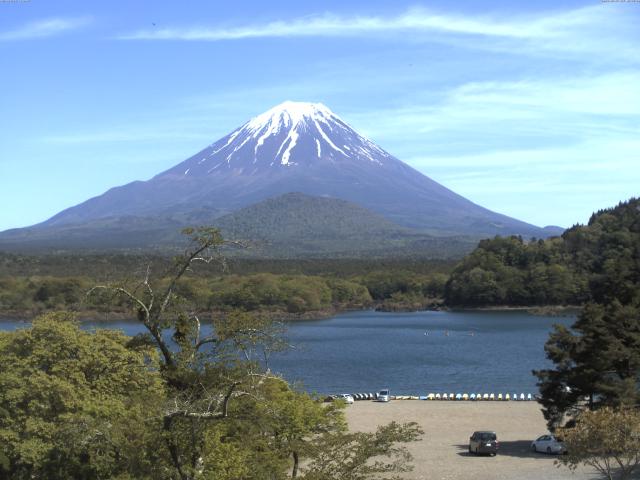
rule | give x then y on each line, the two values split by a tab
442	453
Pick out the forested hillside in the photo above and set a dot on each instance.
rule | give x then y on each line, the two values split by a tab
591	262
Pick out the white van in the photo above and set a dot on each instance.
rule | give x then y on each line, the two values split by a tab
384	395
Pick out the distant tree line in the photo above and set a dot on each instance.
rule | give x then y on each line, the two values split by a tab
586	263
267	292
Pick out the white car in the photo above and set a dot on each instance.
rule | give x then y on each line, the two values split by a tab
346	397
384	395
548	444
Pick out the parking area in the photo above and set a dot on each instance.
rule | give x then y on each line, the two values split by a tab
442	453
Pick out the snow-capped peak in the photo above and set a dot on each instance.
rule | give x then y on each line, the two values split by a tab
290	114
293	117
289	134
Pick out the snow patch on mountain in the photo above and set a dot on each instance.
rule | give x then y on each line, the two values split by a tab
285	136
290	117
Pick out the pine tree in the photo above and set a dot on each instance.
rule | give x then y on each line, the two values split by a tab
597	362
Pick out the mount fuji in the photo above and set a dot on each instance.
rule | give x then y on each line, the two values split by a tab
293	147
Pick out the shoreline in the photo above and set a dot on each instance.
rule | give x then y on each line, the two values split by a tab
538	310
283	316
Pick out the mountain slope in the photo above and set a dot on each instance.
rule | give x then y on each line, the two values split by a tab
298	225
297	147
292	225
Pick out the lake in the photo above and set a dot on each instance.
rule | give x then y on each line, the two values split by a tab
410	353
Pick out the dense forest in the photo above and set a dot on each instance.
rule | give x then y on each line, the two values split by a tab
586	263
31	285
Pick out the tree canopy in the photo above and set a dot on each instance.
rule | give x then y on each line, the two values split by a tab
607	440
76	404
598	262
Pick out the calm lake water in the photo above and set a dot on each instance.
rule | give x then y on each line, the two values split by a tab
411	353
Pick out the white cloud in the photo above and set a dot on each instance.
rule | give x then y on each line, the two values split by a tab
340	26
547	110
615	93
591	155
416	20
605	33
44	28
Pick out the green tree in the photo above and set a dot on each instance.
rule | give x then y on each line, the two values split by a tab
363	456
77	404
597	359
297	421
607	440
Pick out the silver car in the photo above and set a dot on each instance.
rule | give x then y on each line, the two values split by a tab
384	395
548	444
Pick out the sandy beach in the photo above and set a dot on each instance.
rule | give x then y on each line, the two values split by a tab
442	453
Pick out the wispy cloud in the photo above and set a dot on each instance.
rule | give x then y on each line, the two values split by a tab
605	32
416	20
44	28
483	115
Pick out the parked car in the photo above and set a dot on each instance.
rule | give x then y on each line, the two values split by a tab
548	444
384	395
483	442
346	397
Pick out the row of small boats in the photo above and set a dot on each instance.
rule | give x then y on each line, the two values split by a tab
452	396
478	396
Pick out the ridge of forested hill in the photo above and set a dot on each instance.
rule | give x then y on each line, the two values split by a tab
598	261
295	225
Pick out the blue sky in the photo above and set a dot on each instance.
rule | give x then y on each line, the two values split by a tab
531	109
